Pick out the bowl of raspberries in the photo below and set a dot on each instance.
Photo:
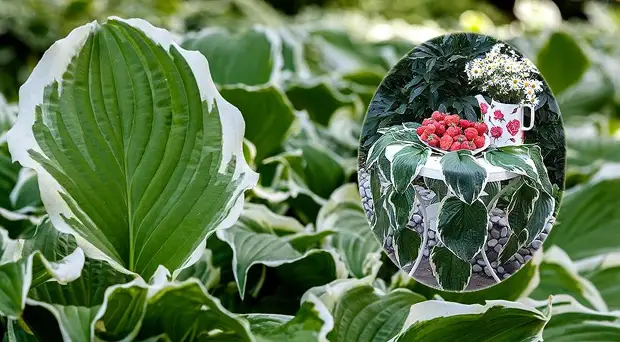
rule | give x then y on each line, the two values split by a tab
448	132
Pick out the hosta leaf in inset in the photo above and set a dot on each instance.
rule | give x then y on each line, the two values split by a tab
541	169
452	273
406	165
541	214
521	207
491	190
514	159
462	227
353	238
463	175
363	313
135	149
515	241
558	275
250	57
497	320
400	207
311	323
267	113
406	246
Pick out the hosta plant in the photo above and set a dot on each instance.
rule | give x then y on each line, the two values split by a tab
462	204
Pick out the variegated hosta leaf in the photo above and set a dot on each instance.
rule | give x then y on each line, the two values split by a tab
363	313
250	57
541	169
439	188
203	270
407	246
391	136
135	149
541	214
463	175
267	113
406	165
8	177
559	275
491	190
462	227
319	97
521	207
497	320
353	238
586	218
50	259
400	207
252	244
515	241
514	159
570	321
452	273
311	323
604	273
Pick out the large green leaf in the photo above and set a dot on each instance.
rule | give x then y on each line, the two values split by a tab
558	275
513	158
250	57
162	166
571	321
586	219
365	314
497	320
406	164
463	175
204	270
452	273
462	227
253	243
593	91
521	207
353	238
562	61
267	113
318	97
400	207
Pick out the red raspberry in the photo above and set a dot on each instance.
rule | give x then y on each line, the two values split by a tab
446	142
430	129
433	140
460	138
455	146
437	115
452	120
496	132
471	133
443	122
471	145
424	136
453	131
481	127
440	130
427	122
464	123
479	141
420	130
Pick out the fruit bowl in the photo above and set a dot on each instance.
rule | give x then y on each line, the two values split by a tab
487	142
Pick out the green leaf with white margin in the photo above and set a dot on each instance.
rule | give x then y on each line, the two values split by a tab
406	165
562	52
267	113
8	115
407	246
559	275
186	312
363	313
604	272
514	159
260	218
311	323
515	241
255	244
463	175
497	320
203	270
166	138
353	239
8	177
462	227
586	217
491	190
543	176
521	207
400	207
570	321
541	214
251	57
18	277
451	272
390	136
318	97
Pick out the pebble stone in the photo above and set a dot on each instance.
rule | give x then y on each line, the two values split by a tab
492	255
494	264
500	269
431	243
511	266
426	252
498	248
503	240
492	243
495	219
524	251
536	244
527	258
506	275
519	258
542	236
431	234
487	270
417	218
497	211
477	268
504	232
481	262
495	234
503	222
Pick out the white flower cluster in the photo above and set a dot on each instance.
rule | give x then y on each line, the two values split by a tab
505	76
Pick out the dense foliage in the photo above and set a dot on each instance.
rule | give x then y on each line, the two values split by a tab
124	252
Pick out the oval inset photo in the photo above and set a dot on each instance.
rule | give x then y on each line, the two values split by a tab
461	162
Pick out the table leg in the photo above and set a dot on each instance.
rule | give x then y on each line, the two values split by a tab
426	221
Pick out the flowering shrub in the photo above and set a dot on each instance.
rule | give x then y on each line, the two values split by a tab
505	76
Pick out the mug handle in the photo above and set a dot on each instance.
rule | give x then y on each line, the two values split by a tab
531	107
